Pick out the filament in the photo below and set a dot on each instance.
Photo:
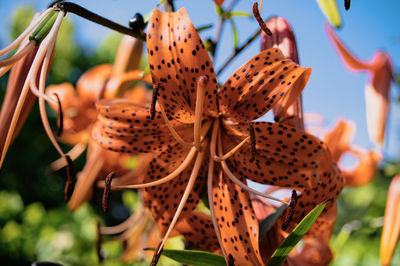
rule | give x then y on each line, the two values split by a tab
20	54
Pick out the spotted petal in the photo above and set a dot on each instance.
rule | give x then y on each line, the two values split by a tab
197	228
164	199
126	127
177	57
256	86
236	221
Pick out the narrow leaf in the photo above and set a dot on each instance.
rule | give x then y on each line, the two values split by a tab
235	34
204	27
194	257
240	14
267	223
295	236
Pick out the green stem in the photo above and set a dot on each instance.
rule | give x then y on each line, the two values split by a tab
84	13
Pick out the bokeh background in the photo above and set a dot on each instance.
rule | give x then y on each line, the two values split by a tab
35	224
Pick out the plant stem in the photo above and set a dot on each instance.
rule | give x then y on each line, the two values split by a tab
169	6
221	24
239	50
84	13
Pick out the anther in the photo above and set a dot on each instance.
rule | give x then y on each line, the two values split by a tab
157	254
292	205
259	19
231	260
347	4
154	100
100	255
253	141
107	188
60	116
69	184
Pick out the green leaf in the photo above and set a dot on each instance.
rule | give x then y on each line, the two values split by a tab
240	14
269	221
204	27
194	257
235	34
295	236
331	12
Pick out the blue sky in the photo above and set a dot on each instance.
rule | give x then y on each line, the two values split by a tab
332	91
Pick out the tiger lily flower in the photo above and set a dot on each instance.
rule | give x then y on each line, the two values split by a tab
283	38
205	139
377	90
391	223
339	141
42	34
79	114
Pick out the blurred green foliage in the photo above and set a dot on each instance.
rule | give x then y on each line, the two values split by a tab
35	224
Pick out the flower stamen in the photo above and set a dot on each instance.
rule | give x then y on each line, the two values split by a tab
21	53
169	177
210	176
253	141
259	19
172	130
154	100
235	180
292	205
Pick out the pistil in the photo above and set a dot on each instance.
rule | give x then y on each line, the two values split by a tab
198	114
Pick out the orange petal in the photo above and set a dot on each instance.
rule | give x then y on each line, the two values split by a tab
65	92
177	57
267	170
198	229
260	83
340	138
237	222
86	178
352	62
124	127
15	83
164	199
118	84
90	86
128	55
391	224
365	170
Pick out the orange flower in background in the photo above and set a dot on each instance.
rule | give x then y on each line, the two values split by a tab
339	141
377	90
283	38
391	224
202	132
79	114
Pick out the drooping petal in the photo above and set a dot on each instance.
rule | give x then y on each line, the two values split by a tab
352	62
177	57
91	84
391	224
128	55
236	220
15	84
78	114
256	86
340	138
330	10
164	199
198	229
366	169
126	127
377	90
313	253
